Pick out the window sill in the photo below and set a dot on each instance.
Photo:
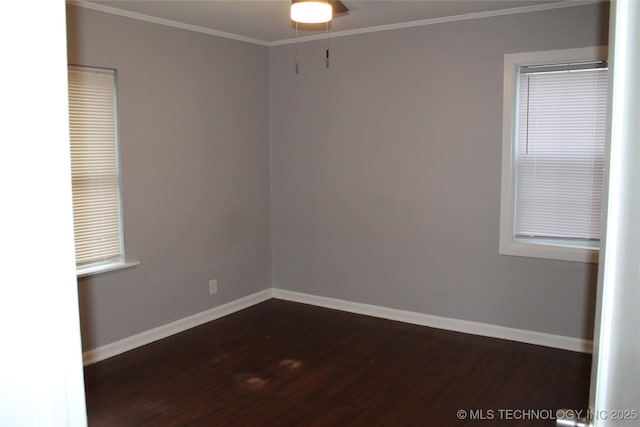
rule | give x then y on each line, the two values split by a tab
559	250
105	268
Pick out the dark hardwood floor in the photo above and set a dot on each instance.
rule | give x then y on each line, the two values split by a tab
286	364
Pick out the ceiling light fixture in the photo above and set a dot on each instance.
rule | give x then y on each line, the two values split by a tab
314	12
311	11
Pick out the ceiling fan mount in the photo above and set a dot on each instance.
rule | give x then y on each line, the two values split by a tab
339	8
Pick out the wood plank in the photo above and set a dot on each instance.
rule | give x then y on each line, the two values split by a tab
289	364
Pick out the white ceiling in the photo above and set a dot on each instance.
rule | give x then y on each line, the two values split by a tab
267	21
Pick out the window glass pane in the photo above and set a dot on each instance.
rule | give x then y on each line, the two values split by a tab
560	153
94	165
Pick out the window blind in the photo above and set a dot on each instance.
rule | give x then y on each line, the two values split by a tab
560	153
94	165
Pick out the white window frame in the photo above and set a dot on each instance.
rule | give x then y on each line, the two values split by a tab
117	263
509	245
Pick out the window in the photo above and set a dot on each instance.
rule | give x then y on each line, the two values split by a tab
95	170
554	138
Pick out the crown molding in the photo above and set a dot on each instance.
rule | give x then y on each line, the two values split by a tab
465	17
162	21
442	20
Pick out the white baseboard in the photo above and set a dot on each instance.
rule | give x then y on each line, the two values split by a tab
465	326
155	334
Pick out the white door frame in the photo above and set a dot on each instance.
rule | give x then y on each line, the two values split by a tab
615	378
41	377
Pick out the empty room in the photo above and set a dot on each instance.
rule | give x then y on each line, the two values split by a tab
394	215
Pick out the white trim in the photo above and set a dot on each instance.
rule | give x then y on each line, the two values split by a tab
181	325
617	341
467	16
508	245
421	319
457	325
105	268
442	20
162	21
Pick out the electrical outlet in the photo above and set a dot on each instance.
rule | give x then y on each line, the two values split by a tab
213	286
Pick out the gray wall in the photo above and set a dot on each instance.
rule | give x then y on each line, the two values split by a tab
194	141
386	173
